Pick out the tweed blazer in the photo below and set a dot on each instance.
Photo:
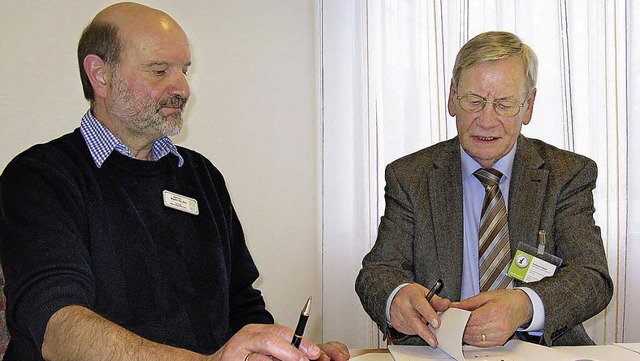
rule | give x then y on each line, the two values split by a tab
420	236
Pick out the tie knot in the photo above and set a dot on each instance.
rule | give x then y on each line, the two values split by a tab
488	177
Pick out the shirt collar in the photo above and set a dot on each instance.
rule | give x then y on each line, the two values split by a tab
504	164
102	142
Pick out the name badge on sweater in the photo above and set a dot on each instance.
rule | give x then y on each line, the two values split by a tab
180	202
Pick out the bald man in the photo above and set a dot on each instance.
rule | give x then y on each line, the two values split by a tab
116	243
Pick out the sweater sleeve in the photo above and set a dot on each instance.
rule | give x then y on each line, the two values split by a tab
41	224
246	304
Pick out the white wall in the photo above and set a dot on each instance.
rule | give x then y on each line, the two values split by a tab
253	113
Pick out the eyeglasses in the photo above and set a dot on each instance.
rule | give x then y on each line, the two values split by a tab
474	103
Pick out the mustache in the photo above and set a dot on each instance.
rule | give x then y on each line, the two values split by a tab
175	101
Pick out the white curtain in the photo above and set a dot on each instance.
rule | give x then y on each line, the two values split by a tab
631	313
386	73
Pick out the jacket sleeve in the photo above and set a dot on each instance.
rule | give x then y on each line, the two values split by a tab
581	286
390	261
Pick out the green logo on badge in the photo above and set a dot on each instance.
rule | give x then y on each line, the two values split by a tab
520	265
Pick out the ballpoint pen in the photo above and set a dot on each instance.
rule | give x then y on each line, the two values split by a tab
434	290
302	322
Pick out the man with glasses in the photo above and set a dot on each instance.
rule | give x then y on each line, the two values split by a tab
460	210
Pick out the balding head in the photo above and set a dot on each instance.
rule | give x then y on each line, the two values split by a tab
128	12
133	19
117	27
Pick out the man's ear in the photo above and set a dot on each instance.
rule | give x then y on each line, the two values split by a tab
96	70
450	104
529	111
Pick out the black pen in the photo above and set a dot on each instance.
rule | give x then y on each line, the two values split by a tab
434	290
302	322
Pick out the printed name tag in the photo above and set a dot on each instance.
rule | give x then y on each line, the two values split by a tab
180	202
530	266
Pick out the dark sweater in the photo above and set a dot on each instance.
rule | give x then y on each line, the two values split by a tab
75	234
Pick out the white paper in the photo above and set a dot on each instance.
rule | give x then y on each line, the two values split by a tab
516	350
597	353
635	347
530	351
426	353
449	335
417	353
539	269
499	353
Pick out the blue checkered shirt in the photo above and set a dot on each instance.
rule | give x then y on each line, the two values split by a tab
102	142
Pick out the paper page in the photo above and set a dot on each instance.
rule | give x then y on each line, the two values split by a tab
499	353
530	351
417	353
453	322
426	353
597	353
514	350
449	335
635	347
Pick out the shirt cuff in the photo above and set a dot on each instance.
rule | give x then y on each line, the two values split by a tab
390	299
537	320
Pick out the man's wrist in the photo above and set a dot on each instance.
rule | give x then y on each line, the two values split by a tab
392	295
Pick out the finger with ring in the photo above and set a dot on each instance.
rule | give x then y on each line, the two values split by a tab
246	358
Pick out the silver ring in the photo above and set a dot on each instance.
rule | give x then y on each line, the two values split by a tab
482	337
246	358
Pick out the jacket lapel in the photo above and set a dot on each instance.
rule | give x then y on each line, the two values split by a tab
526	194
445	195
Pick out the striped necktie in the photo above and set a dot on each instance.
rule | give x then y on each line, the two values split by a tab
494	254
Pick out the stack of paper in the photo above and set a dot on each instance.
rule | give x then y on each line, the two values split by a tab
453	322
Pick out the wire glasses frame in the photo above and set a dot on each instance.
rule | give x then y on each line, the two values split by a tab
474	103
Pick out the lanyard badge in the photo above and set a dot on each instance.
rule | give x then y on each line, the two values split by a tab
530	264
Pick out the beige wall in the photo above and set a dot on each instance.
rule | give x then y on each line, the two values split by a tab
253	113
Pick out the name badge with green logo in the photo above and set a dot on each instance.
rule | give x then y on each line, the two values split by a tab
530	264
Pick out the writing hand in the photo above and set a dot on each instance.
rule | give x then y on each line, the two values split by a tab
410	312
263	342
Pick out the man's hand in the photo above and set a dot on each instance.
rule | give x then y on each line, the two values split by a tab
495	316
266	342
410	312
334	350
73	332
